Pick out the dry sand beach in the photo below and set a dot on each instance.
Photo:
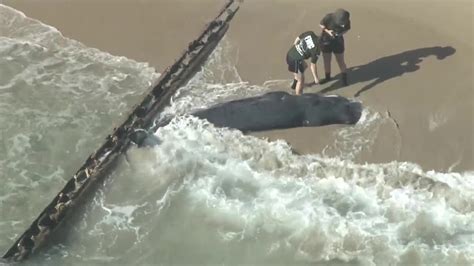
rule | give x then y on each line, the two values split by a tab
208	196
412	60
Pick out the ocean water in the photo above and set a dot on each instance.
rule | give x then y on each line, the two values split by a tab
205	196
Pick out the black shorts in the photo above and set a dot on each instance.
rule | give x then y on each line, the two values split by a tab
333	45
295	66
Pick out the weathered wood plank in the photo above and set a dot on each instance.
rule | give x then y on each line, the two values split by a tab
97	165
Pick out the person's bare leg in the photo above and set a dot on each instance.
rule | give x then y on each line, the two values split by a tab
342	66
327	67
300	83
327	62
340	61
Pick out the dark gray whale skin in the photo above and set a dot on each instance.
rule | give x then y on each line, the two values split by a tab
280	110
273	110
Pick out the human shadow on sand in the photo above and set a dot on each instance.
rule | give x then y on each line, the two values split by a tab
389	67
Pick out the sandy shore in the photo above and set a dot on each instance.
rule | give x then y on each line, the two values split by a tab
144	30
411	62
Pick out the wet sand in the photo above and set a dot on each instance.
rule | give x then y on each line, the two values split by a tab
412	62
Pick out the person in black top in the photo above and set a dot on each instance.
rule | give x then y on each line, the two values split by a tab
305	46
334	25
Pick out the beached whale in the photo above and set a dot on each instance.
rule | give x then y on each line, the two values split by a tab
273	110
280	110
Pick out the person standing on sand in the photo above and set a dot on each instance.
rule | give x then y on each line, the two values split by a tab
305	46
334	25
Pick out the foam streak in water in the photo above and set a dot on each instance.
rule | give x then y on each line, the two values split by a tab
233	192
58	100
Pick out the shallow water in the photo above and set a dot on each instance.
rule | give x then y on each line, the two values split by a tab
206	195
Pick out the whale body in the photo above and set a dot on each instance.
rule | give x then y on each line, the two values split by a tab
280	110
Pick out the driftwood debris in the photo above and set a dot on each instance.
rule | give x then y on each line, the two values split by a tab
142	116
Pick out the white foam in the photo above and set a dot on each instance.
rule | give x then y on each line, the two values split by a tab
239	188
437	119
58	100
325	208
211	193
218	82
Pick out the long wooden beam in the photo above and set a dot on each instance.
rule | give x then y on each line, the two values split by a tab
96	166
